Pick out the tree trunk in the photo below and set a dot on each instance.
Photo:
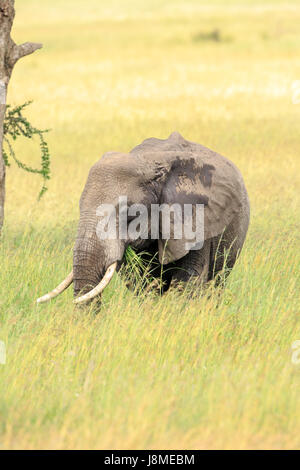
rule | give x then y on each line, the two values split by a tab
2	163
10	53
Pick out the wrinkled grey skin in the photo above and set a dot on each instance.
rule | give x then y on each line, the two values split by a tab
164	171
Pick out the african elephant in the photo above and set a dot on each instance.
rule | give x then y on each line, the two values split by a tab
160	172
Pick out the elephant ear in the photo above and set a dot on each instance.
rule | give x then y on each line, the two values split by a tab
213	182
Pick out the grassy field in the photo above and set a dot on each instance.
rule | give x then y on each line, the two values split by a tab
154	372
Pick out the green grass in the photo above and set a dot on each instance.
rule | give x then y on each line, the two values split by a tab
150	372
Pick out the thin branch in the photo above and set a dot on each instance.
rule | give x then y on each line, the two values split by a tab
17	52
28	48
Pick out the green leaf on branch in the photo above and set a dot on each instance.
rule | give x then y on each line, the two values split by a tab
15	125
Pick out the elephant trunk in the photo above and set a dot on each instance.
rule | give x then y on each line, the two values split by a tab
88	257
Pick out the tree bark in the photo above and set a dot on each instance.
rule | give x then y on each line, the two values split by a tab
10	53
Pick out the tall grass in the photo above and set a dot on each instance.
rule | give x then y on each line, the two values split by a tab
214	371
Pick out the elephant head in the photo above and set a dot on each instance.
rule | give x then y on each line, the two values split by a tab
157	172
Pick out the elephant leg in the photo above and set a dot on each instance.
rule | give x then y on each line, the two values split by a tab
193	267
223	255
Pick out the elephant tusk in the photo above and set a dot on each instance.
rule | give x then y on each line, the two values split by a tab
100	287
58	290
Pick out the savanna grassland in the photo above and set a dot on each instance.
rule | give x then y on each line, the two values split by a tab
170	372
